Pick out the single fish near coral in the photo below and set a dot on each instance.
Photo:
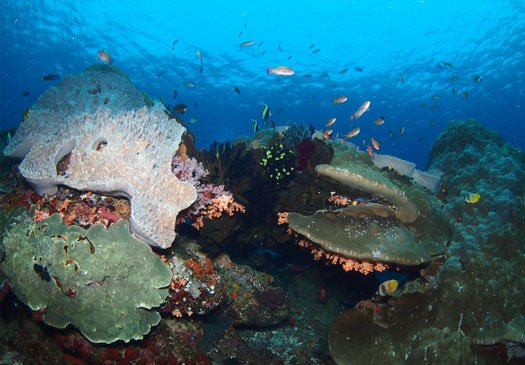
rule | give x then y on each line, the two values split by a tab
362	110
174	94
379	121
25	93
330	122
464	94
180	108
401	78
193	120
340	100
26	114
354	132
375	143
50	77
104	56
317	50
254	125
388	287
358	69
344	70
280	71
472	198
237	90
189	84
401	131
370	151
174	43
327	133
9	138
199	55
247	43
435	97
454	78
266	112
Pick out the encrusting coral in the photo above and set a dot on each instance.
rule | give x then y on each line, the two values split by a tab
123	154
104	282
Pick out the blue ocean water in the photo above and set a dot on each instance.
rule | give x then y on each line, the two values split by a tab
420	63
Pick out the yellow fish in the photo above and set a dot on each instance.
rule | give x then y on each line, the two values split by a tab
472	198
387	287
27	113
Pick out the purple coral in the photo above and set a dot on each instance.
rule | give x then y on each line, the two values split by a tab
192	171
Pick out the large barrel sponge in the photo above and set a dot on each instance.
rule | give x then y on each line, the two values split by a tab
104	282
124	154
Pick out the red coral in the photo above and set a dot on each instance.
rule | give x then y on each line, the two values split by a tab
200	267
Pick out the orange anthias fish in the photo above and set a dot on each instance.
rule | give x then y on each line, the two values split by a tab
327	133
330	122
375	143
354	132
340	100
362	110
280	71
379	121
104	56
370	151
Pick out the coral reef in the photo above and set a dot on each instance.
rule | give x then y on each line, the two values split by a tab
430	180
212	200
403	226
124	154
102	281
468	308
254	298
296	133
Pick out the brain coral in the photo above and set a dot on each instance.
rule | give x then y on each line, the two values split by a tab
104	282
124	154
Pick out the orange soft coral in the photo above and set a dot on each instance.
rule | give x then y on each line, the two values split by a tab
347	263
282	218
338	199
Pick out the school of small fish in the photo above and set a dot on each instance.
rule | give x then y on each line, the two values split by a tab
285	70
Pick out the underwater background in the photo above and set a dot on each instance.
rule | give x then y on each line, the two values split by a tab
420	63
299	182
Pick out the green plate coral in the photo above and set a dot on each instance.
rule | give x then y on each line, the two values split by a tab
103	282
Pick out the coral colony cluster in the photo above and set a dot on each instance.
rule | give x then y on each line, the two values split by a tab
279	239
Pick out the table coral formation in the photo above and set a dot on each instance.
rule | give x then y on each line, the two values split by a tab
469	308
124	154
405	228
